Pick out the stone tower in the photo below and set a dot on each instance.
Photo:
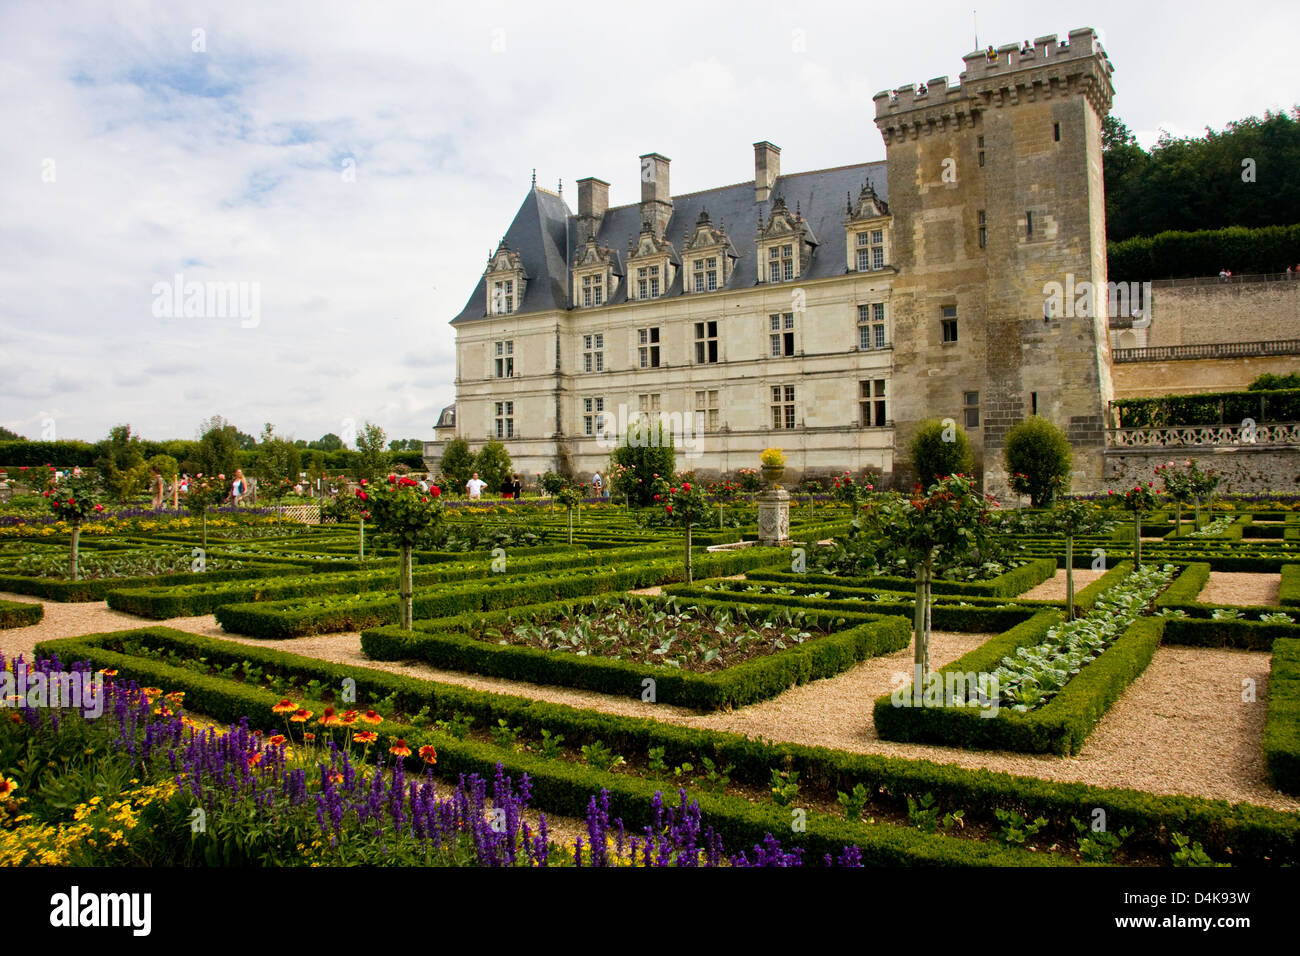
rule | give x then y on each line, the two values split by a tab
995	187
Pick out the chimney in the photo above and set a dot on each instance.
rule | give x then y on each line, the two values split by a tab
767	167
656	200
593	201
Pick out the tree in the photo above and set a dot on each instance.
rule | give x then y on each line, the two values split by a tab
372	459
1178	486
277	464
406	512
570	496
493	464
204	492
120	461
1140	499
1071	518
457	463
1269	381
940	449
646	454
217	453
686	506
1038	458
327	442
7	435
931	532
73	501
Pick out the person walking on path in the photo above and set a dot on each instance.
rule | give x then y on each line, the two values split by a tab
475	486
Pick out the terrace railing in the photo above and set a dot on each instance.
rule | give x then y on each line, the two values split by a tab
1216	350
1277	433
1227	280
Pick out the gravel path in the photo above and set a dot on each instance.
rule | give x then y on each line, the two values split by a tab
1159	737
1240	589
1053	589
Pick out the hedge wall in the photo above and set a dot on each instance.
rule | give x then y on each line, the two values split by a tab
1282	726
1176	254
1240	833
1008	585
1289	592
20	613
444	643
1212	408
98	589
1060	726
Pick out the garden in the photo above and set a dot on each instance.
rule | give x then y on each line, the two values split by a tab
922	678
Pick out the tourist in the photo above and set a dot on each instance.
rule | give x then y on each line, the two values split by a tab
597	485
507	487
475	486
156	486
517	487
238	488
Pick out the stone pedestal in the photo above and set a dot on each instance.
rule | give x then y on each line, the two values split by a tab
774	518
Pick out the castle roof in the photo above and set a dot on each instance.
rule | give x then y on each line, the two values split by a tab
545	232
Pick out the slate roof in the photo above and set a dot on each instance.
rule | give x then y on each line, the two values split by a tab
544	227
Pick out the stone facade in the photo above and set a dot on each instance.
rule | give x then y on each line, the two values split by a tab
1244	469
775	314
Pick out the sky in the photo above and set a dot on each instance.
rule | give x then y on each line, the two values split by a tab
343	170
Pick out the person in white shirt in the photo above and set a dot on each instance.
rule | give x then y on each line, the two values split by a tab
475	486
597	485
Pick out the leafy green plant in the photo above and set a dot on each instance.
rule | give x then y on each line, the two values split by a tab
853	804
457	726
1099	846
1016	829
657	766
551	745
717	778
601	757
1037	456
785	787
1190	854
503	735
924	814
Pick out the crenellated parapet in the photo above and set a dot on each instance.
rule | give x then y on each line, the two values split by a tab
1000	77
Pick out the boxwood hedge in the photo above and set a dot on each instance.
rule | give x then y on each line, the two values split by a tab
20	613
1282	726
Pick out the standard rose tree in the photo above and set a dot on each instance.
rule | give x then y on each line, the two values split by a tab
685	505
404	511
203	493
73	501
1070	518
1140	499
1178	486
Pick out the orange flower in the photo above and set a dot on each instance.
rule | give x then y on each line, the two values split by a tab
151	692
366	737
177	697
7	787
309	737
328	719
399	749
277	740
371	717
428	754
285	706
336	777
254	760
301	716
108	672
349	718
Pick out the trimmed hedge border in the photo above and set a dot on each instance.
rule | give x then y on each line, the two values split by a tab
100	588
444	644
565	788
20	613
1008	585
278	620
1060	726
1282	726
1241	833
1289	592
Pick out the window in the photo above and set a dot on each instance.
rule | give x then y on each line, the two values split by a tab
648	405
871	403
981	146
593	290
593	422
503	297
706	408
593	354
780	263
949	323
871	326
1029	223
505	359
972	409
1033	401
783	406
648	351
984	231
705	272
871	250
505	419
647	282
781	334
706	343
1056	132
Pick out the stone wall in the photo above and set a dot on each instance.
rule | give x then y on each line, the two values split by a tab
1245	470
1147	379
1224	312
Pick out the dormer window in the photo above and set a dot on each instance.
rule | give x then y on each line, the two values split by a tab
506	280
871	250
594	275
649	265
593	290
647	282
785	244
708	256
866	225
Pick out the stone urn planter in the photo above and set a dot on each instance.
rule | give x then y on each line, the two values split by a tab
772	475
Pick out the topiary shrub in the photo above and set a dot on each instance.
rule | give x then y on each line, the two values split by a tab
1037	457
940	449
